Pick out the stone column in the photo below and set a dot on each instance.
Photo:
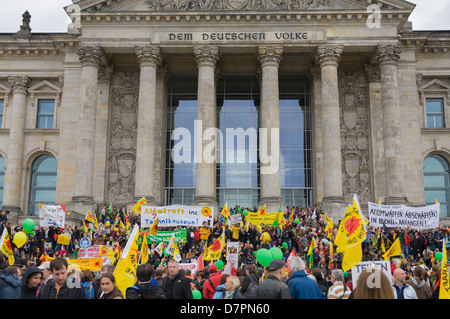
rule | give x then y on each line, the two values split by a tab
14	161
388	56
149	59
91	58
206	58
269	58
328	58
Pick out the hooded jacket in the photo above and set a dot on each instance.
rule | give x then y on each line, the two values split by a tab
26	291
9	285
423	290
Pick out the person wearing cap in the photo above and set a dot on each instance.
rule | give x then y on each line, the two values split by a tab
211	284
30	283
274	287
46	272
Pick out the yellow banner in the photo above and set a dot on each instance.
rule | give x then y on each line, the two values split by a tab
64	239
93	264
266	219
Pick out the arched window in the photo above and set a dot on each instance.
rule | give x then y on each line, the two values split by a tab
43	183
437	182
2	178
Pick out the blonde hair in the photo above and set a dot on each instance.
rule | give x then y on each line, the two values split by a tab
236	283
365	291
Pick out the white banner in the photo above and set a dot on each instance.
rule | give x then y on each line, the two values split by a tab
52	216
176	215
426	217
233	251
384	266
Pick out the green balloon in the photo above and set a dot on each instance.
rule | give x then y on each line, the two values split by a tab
264	257
239	210
196	294
438	256
245	212
28	225
276	253
219	264
297	221
285	245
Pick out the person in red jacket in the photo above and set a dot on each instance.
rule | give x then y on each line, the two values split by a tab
209	288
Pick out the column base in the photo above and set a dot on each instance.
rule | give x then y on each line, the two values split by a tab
334	207
396	201
272	204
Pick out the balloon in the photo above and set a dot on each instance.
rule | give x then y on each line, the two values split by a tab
28	225
219	264
297	221
285	245
107	223
245	212
264	257
239	210
196	294
20	239
276	253
438	256
258	228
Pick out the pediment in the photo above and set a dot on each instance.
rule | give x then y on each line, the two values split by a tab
435	86
112	6
44	87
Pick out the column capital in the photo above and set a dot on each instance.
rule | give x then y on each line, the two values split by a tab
148	55
91	56
270	54
388	53
373	72
206	55
18	83
329	53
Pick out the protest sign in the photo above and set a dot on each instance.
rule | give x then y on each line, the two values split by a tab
63	239
176	215
93	264
51	216
425	217
235	219
233	251
384	266
164	236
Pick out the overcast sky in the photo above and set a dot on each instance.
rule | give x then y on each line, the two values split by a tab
49	16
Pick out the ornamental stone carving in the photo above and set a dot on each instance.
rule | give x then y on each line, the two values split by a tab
206	55
389	53
122	137
329	53
148	55
18	83
209	5
270	54
354	135
91	56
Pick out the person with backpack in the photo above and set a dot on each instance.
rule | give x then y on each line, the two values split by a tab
211	284
250	283
147	287
87	283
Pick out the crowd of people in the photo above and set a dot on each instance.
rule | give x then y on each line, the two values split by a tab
41	269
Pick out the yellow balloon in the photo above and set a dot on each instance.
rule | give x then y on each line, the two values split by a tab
20	239
107	223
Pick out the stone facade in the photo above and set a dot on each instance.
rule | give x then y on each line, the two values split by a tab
108	75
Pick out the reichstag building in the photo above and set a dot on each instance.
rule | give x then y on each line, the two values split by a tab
206	102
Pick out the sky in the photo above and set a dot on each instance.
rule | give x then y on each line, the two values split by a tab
49	15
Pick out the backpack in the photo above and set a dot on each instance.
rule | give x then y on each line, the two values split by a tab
88	289
149	293
252	289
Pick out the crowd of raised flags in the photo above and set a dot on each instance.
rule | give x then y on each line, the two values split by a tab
344	240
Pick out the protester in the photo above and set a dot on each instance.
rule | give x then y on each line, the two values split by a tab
211	284
109	288
400	288
232	284
147	287
175	285
419	283
300	285
339	290
10	282
274	287
372	284
31	281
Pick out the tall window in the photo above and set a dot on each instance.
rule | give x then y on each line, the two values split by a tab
436	172
180	166
2	178
435	113
43	183
237	150
295	141
45	113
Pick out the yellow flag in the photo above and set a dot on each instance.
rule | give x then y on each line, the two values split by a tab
214	252
144	250
394	250
444	286
312	246
6	248
352	256
89	217
226	211
125	271
137	207
154	227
